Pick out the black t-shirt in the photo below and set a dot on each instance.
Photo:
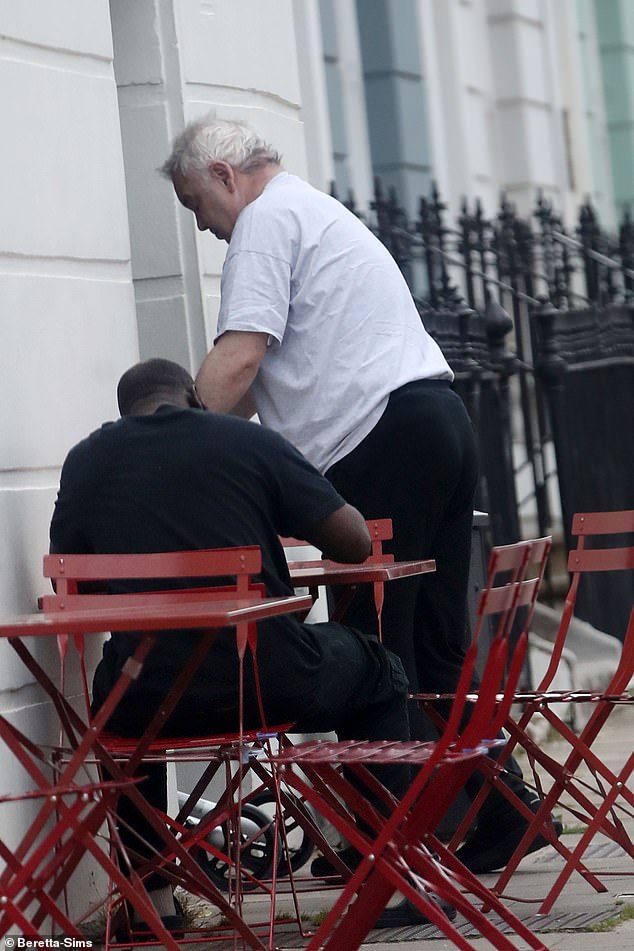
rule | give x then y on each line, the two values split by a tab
185	479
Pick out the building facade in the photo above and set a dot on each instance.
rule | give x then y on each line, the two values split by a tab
484	97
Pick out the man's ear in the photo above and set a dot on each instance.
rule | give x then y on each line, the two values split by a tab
224	172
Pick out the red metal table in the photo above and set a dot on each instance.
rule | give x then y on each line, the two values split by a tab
307	573
215	614
346	578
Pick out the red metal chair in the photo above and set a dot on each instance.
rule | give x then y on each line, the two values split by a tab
38	869
32	867
514	575
120	756
397	845
609	787
521	594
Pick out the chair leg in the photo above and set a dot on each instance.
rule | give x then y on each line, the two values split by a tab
588	835
563	776
386	868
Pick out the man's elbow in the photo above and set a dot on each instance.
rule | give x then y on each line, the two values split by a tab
358	543
343	536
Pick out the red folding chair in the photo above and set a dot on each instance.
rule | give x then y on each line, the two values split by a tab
343	581
397	843
608	787
514	575
120	756
515	561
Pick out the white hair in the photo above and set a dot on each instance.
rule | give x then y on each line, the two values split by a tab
210	139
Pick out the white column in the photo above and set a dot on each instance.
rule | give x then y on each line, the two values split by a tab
314	97
528	101
164	258
354	111
176	60
582	89
462	125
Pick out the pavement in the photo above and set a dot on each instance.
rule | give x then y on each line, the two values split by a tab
581	920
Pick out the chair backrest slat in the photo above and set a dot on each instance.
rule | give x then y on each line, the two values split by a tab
517	594
600	559
507	588
603	523
582	559
172	564
98	600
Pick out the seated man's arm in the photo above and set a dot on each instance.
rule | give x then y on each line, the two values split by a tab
342	536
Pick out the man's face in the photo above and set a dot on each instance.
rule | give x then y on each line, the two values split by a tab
212	199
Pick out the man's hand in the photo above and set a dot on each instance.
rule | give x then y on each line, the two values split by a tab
343	536
229	369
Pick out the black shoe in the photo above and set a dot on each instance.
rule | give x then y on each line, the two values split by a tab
322	867
129	930
490	848
405	914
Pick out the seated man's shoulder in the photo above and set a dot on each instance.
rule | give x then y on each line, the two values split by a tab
250	434
96	437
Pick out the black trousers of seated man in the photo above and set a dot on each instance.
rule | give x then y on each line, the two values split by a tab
337	679
419	467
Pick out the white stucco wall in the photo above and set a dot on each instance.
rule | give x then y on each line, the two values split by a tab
463	129
516	104
66	304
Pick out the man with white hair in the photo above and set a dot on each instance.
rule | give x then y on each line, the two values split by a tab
319	334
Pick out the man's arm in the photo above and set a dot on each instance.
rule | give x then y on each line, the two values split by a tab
246	407
342	536
229	369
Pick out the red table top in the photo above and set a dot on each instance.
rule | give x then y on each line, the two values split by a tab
150	617
334	572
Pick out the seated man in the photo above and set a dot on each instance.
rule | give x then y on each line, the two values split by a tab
170	476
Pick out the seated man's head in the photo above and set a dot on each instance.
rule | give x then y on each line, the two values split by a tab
152	383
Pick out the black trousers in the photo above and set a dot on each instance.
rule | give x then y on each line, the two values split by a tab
359	691
419	467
